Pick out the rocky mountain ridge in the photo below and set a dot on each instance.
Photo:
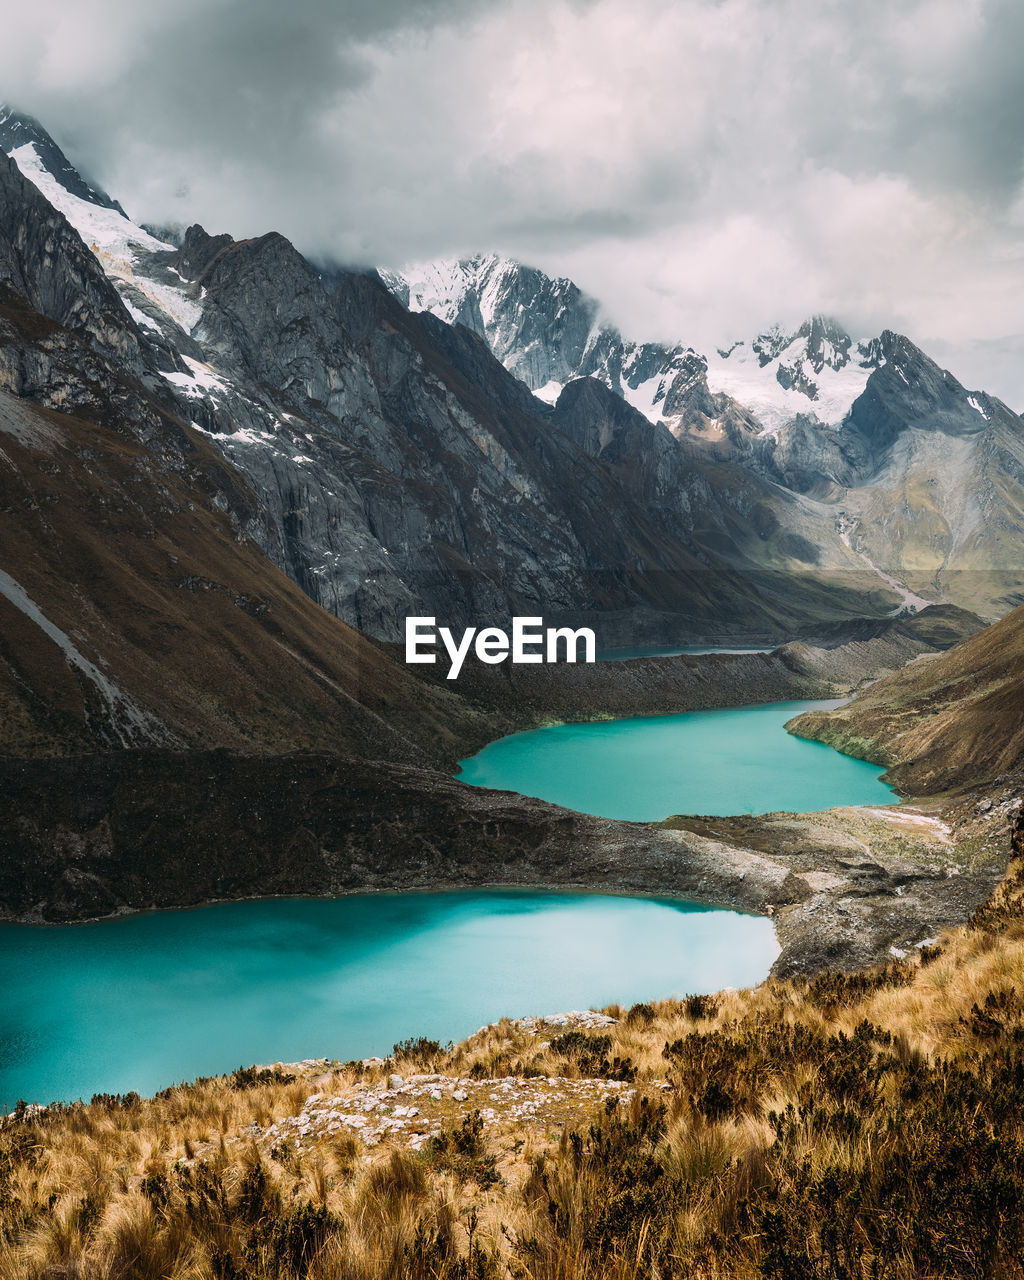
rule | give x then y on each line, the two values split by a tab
135	610
18	130
922	479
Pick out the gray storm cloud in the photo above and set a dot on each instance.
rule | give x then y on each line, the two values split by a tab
703	166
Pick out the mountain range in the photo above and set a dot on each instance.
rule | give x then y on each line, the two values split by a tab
227	474
333	447
877	447
399	468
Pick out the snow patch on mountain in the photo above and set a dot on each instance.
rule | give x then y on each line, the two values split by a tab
777	377
549	392
541	328
438	287
140	316
117	242
646	396
200	382
103	230
17	129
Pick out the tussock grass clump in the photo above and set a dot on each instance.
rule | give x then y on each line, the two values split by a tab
831	990
640	1015
700	1007
588	1055
461	1151
250	1077
419	1050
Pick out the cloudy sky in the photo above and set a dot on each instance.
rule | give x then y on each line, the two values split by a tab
705	167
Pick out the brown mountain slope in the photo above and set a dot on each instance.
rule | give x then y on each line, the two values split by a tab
132	609
942	722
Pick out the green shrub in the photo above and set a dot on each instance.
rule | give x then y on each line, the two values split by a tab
460	1151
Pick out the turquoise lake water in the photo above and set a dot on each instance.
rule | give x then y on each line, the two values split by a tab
737	760
665	651
144	1002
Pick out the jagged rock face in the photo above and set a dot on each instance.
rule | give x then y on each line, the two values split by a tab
539	328
910	391
546	331
43	260
132	609
905	392
377	411
399	469
18	130
433	471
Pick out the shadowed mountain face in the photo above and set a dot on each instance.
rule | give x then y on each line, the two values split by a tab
133	610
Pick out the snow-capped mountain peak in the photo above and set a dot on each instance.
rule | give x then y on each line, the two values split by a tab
547	332
439	287
817	370
538	326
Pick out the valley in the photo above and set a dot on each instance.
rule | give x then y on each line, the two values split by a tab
249	471
511	641
227	478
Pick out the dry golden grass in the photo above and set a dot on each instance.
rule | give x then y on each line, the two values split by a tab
789	1110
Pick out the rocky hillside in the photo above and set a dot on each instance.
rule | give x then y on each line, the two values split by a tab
134	609
942	722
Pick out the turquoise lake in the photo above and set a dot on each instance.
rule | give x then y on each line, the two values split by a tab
146	1001
736	760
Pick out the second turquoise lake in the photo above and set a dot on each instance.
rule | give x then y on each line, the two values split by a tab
735	760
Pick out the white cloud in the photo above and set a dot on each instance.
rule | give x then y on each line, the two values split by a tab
704	166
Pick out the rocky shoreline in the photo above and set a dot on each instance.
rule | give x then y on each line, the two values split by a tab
94	836
100	836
